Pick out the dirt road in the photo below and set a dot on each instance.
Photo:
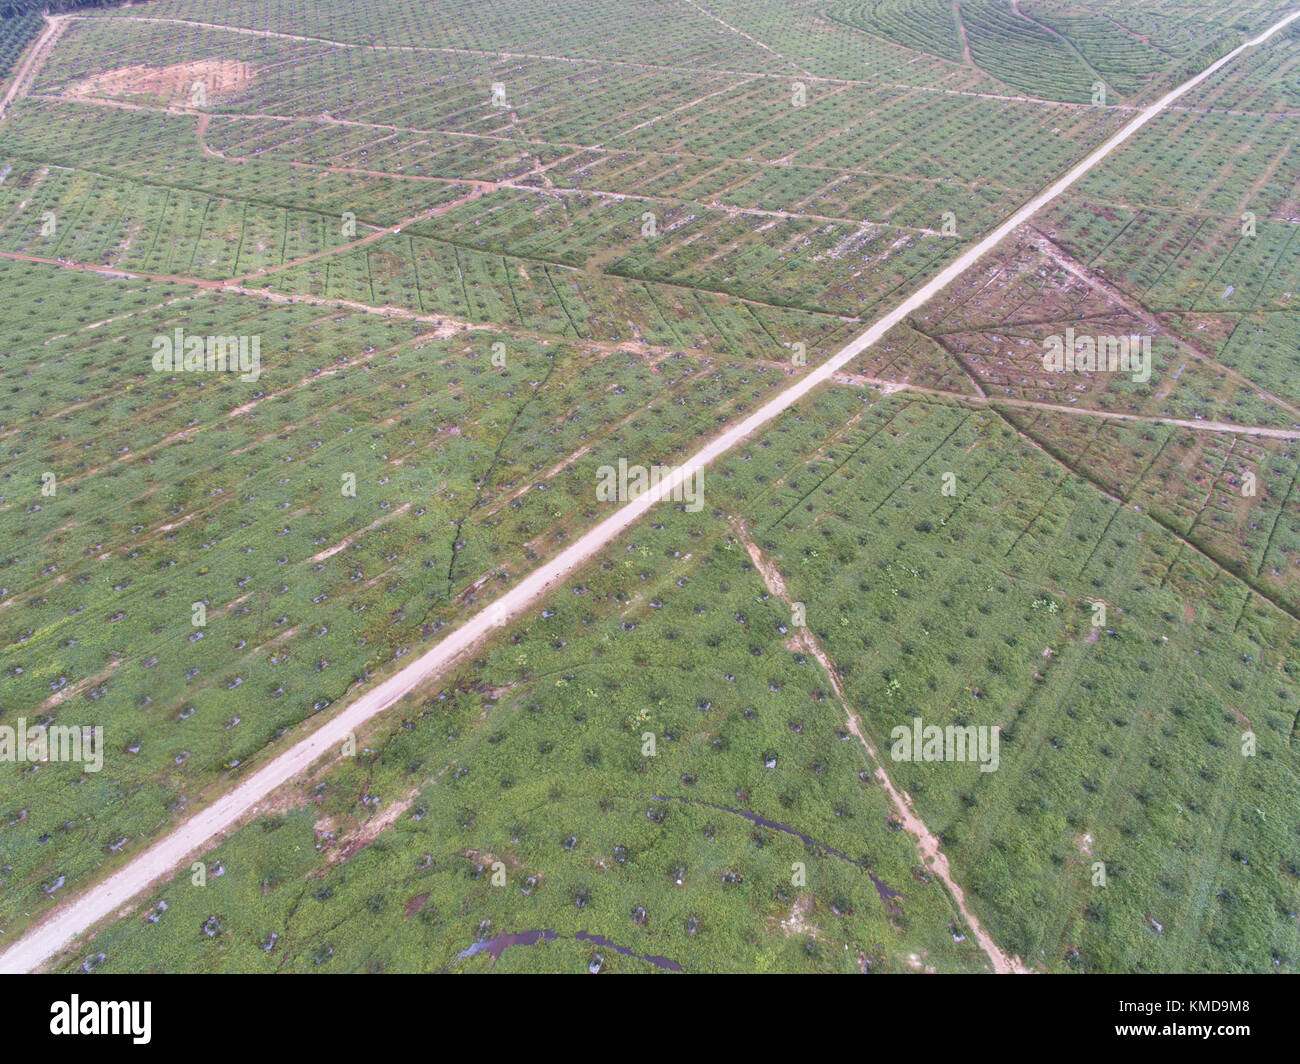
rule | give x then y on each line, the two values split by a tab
32	62
72	919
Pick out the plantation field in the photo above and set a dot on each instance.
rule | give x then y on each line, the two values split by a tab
484	253
1062	51
1121	742
176	490
567	175
402	841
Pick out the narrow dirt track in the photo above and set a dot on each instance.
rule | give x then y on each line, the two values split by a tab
877	384
926	840
73	918
31	63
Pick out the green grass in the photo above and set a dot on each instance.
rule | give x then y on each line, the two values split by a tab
776	225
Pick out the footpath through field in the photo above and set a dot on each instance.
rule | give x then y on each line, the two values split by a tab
73	918
28	68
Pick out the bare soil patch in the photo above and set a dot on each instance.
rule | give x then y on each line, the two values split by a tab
173	85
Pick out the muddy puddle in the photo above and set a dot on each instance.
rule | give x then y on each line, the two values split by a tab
887	893
500	943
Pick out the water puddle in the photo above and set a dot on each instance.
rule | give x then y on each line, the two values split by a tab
494	947
498	945
600	940
887	894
